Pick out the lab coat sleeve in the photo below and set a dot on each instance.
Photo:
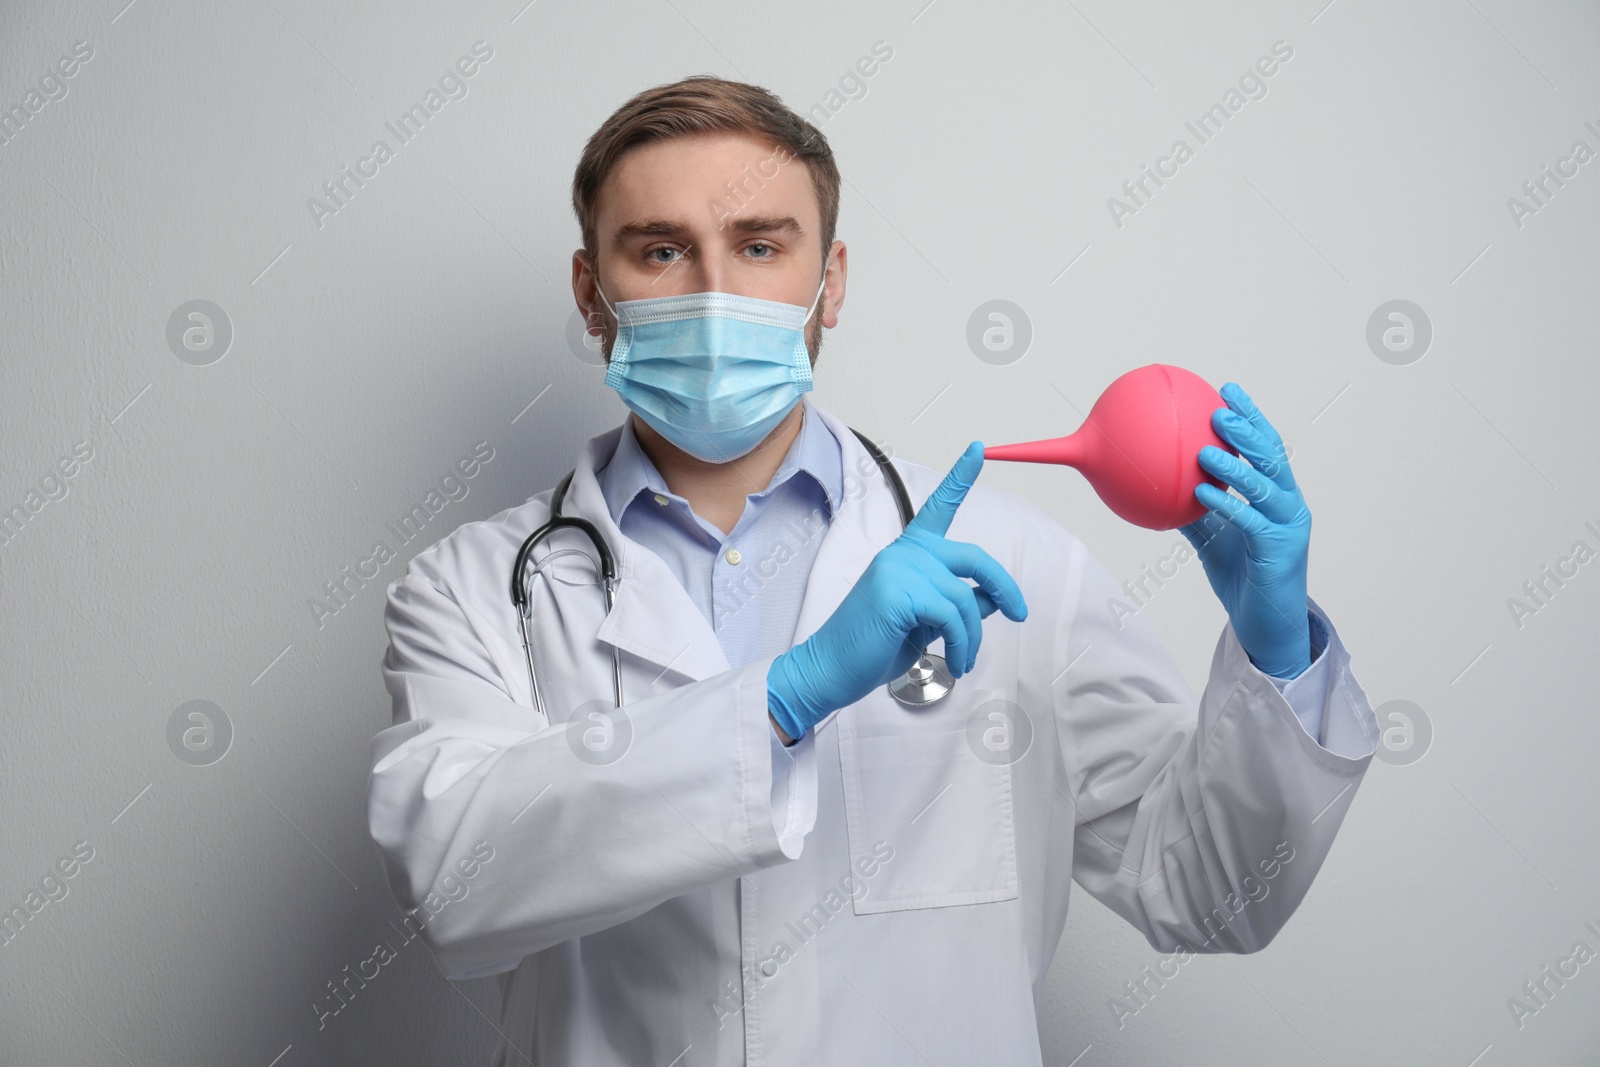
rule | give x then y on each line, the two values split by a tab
576	847
794	789
1200	822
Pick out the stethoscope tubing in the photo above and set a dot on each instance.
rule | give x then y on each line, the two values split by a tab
608	567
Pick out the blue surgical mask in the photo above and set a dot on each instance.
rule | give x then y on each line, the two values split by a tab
713	373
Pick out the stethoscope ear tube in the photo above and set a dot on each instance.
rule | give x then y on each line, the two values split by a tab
524	604
901	499
608	566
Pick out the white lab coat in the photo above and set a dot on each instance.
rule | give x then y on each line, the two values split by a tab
874	895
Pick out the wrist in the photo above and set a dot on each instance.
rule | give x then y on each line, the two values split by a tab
782	734
1285	675
1316	643
1279	651
783	708
1319	635
1284	662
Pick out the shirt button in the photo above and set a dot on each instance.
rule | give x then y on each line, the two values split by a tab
660	499
732	556
769	967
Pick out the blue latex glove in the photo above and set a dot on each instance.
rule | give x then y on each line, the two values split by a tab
1254	550
911	592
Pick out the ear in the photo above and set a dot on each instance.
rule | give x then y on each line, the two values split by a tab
833	289
587	296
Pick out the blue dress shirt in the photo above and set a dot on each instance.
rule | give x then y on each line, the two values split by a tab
748	583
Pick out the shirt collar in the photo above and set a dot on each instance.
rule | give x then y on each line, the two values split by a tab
815	451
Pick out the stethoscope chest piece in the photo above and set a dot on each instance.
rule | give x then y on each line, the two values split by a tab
927	682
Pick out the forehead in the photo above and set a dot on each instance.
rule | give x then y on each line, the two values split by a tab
693	177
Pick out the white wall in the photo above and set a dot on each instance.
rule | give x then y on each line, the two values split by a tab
371	352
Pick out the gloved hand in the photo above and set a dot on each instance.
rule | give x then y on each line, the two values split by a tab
911	592
1254	550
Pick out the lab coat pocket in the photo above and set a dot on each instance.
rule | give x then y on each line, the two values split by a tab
927	815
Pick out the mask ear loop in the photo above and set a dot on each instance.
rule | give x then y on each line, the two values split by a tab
802	353
614	316
604	301
814	299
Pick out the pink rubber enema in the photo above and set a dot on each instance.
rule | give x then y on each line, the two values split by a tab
1139	446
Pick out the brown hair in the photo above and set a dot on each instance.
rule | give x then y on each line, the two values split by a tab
701	104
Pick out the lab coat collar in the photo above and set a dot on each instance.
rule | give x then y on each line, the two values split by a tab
655	619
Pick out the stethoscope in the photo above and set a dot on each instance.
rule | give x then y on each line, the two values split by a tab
927	682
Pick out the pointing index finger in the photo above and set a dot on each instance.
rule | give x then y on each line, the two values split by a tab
936	512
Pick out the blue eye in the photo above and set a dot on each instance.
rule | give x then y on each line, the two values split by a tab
653	251
753	247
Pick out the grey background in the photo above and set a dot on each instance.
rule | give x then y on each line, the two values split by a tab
370	354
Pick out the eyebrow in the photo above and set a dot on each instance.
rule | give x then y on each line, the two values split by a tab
786	224
768	224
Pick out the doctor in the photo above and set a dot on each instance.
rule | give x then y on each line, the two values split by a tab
764	858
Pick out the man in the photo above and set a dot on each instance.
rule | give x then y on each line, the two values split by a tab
764	858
